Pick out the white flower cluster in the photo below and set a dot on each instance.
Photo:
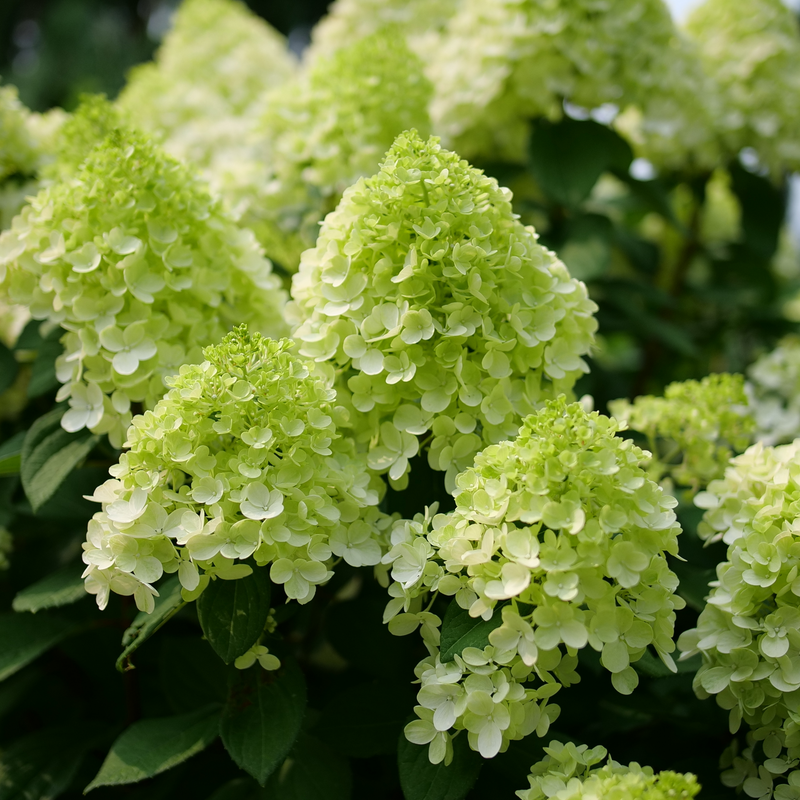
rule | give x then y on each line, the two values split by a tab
444	315
142	268
242	457
561	540
749	631
775	392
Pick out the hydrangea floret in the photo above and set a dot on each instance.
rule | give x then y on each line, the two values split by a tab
574	772
694	429
445	317
561	539
321	133
775	392
749	631
142	268
242	458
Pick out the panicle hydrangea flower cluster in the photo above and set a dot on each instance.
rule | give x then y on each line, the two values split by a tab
444	315
321	133
208	82
751	49
242	457
499	64
775	392
560	538
703	423
749	631
142	268
571	772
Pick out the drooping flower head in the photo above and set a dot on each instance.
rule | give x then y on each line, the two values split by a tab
558	538
141	267
321	133
242	457
441	309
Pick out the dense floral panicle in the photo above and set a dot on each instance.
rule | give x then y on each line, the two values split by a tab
561	535
347	21
702	423
19	150
775	392
749	631
751	48
441	309
498	64
321	133
141	267
573	772
242	457
208	82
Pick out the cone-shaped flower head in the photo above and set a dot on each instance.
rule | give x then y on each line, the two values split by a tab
323	132
440	308
573	772
499	64
561	540
242	457
209	78
751	48
142	268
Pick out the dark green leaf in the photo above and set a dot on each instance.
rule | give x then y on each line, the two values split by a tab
311	772
262	717
43	371
189	662
8	368
460	630
233	613
152	746
11	454
763	210
24	637
145	625
567	157
49	454
421	780
59	589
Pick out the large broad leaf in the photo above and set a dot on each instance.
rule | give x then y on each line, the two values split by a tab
460	630
152	746
189	662
262	718
421	780
567	157
59	589
144	625
49	454
8	368
24	637
11	454
233	613
311	772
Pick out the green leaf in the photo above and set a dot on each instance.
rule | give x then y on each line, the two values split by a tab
421	780
763	210
8	368
25	638
312	771
168	603
43	371
262	717
50	454
152	746
11	454
567	157
58	589
189	662
460	630
233	613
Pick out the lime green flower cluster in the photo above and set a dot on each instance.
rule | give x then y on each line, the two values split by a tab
320	134
751	49
444	315
499	64
749	631
208	82
694	429
242	457
141	267
775	399
571	772
560	534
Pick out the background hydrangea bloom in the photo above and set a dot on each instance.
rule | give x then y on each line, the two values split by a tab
242	457
561	535
441	309
775	392
141	267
